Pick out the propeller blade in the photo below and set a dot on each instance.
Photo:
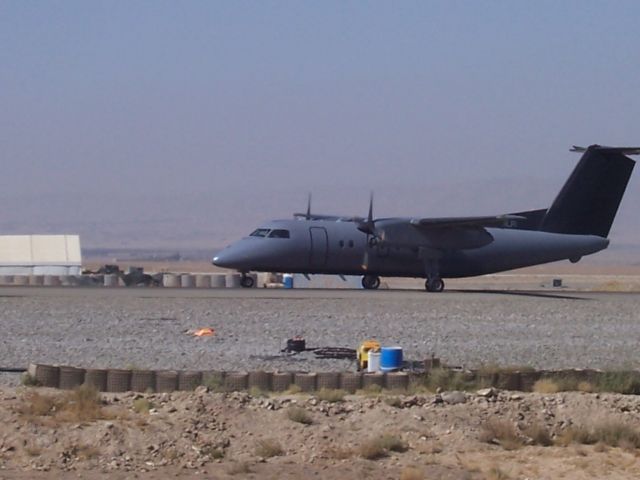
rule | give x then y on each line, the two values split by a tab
369	226
308	217
370	216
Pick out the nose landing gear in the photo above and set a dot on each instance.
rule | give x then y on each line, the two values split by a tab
247	281
370	282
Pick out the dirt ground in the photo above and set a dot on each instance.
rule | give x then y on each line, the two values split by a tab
53	434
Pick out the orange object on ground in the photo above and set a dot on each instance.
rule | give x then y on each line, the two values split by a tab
204	332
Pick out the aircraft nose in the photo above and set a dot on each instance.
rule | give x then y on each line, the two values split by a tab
232	257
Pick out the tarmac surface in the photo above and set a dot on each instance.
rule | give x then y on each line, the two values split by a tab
148	327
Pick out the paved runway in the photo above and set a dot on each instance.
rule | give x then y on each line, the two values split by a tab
145	327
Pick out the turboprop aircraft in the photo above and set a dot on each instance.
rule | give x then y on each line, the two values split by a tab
576	224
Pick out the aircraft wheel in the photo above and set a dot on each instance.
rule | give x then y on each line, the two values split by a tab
247	281
370	282
434	285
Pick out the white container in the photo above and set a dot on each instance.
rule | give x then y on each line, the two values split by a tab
373	362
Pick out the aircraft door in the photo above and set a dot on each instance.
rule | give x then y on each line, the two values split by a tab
319	248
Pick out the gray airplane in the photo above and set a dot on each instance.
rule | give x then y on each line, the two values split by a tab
576	224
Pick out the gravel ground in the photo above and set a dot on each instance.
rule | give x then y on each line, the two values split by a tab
146	328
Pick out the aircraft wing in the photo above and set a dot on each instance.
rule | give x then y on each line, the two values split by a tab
331	218
456	222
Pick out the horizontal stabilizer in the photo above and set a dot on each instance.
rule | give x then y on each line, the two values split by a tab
600	148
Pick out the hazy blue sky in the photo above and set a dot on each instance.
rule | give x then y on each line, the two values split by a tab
282	98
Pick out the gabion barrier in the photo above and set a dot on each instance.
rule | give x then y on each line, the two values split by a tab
166	381
121	380
97	378
143	380
328	380
71	377
260	380
305	381
118	380
189	380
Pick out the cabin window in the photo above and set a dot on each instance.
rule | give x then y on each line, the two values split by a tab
279	234
341	243
350	243
260	232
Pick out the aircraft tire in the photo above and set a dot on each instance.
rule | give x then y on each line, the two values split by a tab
370	282
247	281
434	285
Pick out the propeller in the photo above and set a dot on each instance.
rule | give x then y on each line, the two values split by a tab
367	226
307	214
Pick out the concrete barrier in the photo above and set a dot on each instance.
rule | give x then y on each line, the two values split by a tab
203	281
218	280
36	280
187	281
111	280
170	280
232	280
51	281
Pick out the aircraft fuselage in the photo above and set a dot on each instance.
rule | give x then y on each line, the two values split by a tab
335	247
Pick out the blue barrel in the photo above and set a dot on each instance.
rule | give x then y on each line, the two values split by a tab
287	280
390	359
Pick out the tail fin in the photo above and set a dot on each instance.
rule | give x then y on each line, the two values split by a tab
589	200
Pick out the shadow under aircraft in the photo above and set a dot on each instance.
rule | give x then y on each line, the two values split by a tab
576	224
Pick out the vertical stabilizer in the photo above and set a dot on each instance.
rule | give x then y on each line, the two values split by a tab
589	200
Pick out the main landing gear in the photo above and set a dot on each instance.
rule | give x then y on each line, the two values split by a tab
247	281
432	271
370	282
434	284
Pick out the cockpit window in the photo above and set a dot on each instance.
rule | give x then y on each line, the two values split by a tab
260	232
279	234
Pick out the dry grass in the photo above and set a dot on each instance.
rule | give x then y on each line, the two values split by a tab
29	380
546	385
293	389
338	453
80	405
256	392
539	435
299	415
331	395
240	468
500	432
448	380
495	473
370	391
586	387
613	433
268	448
379	447
142	405
393	402
411	473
